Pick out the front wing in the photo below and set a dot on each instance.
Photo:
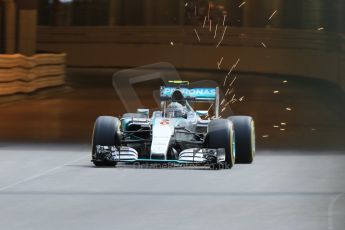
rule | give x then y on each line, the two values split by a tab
188	156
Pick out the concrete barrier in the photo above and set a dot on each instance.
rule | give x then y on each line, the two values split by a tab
313	53
21	74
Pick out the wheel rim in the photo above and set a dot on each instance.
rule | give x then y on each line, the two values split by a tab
252	137
232	145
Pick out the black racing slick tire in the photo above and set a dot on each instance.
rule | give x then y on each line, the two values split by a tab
221	135
106	133
244	138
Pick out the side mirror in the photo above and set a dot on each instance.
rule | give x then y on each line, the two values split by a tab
202	112
145	112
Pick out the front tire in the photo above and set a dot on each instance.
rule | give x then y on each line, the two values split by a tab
245	138
105	133
221	135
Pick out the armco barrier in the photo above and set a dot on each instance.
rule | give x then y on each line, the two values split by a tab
21	74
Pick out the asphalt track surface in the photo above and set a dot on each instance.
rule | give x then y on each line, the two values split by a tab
296	182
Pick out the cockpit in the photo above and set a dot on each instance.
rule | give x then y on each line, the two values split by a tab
176	110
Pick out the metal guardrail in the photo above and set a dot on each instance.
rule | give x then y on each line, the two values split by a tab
21	74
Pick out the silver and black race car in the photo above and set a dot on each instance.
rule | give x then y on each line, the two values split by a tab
176	134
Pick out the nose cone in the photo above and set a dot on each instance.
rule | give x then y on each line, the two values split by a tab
161	135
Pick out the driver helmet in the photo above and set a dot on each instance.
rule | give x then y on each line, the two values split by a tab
175	109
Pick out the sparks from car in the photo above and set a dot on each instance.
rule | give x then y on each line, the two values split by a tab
272	15
197	35
220	41
242	4
219	63
215	33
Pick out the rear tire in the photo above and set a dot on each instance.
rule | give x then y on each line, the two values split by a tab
105	132
221	135
245	138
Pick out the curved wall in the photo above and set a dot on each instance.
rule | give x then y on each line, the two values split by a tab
316	54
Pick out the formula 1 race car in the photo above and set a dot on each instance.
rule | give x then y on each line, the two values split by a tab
177	134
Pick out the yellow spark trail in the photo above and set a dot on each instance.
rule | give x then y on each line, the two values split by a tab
222	37
219	63
215	32
272	15
196	32
203	25
241	4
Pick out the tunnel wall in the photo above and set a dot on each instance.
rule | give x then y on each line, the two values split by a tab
315	54
22	74
341	79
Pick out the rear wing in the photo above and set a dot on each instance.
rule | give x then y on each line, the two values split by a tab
210	95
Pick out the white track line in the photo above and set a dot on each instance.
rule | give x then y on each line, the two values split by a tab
41	174
330	210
